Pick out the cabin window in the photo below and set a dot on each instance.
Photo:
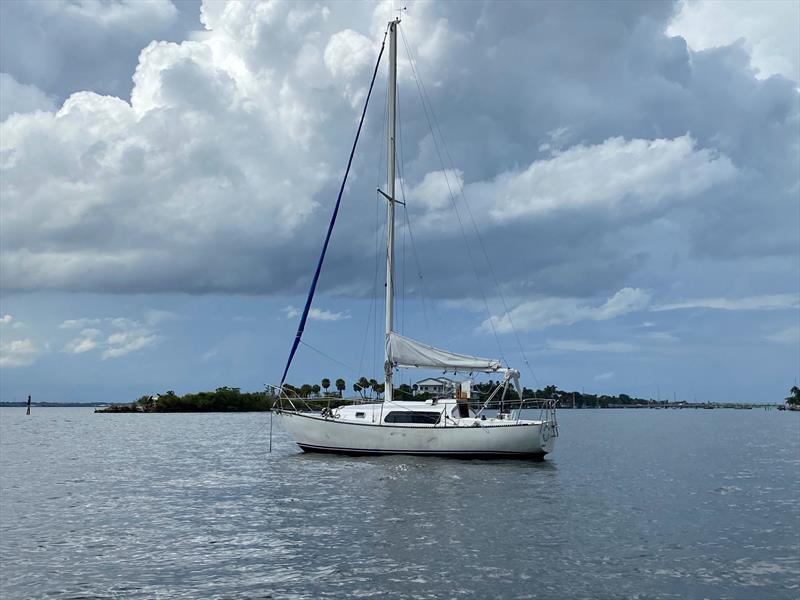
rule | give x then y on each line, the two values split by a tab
407	416
360	415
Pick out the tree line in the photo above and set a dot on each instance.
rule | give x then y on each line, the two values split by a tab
232	399
224	399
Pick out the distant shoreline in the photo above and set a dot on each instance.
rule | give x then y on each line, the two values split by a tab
232	399
54	404
120	407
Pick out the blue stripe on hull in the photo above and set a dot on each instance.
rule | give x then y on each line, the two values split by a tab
450	453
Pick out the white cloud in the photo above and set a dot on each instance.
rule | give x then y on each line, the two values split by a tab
18	98
86	341
548	312
134	16
539	314
768	302
433	192
790	335
125	336
604	376
78	323
211	153
590	346
348	54
6	320
120	344
768	29
316	314
17	353
618	174
217	173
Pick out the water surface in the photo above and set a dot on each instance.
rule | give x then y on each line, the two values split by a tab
632	504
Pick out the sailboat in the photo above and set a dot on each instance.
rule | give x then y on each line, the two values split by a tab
455	426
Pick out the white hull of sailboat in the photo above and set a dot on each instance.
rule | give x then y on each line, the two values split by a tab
314	433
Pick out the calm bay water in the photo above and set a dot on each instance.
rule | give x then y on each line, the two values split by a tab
632	504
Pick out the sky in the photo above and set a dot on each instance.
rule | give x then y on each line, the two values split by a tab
605	196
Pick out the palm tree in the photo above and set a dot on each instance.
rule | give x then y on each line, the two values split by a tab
795	397
361	386
373	384
341	386
326	383
315	388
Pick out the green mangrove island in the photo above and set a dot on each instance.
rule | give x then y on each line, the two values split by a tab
328	393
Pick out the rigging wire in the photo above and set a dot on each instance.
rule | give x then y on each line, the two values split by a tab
315	280
417	80
415	255
407	223
329	357
400	176
373	309
507	312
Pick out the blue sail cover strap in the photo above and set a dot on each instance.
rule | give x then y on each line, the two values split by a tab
314	281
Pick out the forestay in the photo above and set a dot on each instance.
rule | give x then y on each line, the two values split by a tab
405	352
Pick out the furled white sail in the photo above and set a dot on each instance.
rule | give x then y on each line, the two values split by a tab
405	352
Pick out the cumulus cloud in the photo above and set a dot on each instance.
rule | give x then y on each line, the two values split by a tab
54	45
10	322
768	29
19	98
618	174
219	174
125	342
78	323
349	54
17	353
547	312
114	336
316	314
87	340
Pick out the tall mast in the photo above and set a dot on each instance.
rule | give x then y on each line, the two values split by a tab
390	176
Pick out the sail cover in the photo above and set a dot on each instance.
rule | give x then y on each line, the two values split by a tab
405	352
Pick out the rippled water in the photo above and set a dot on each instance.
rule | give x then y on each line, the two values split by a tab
632	504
